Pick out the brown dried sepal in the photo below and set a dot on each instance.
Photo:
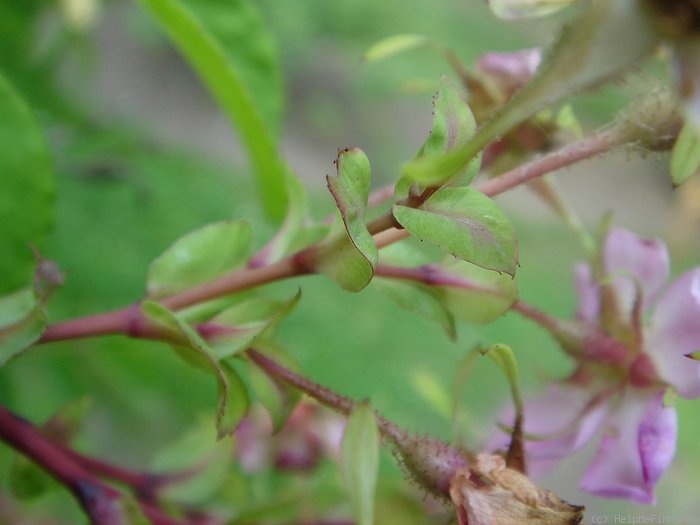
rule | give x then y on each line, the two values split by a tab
489	493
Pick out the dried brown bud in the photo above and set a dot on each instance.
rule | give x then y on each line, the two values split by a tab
488	493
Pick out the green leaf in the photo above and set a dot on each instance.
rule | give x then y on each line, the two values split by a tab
229	48
248	321
350	260
685	156
21	323
477	295
196	451
360	453
419	299
466	224
27	481
513	9
453	127
198	257
26	199
579	59
233	393
504	358
393	45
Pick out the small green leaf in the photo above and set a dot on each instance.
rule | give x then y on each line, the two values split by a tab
350	260
513	9
393	45
198	257
26	199
21	323
419	299
229	48
477	295
685	156
360	453
504	357
248	321
67	421
233	394
466	224
453	127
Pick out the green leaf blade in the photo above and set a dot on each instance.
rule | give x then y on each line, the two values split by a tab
360	453
21	323
236	80
198	257
234	400
393	45
685	156
26	199
466	224
350	260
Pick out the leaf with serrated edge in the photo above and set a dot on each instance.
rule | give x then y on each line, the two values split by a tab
26	199
466	224
350	261
198	257
233	394
360	465
685	156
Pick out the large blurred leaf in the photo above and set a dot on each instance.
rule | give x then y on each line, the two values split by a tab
228	46
26	189
350	261
466	224
360	451
198	257
21	323
527	8
233	394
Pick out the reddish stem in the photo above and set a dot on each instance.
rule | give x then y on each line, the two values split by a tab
101	502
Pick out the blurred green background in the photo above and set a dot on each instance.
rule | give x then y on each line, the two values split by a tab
143	156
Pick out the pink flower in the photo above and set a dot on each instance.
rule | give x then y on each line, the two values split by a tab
632	343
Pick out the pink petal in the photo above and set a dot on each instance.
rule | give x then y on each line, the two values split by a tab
675	331
511	70
635	451
565	413
588	294
634	262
